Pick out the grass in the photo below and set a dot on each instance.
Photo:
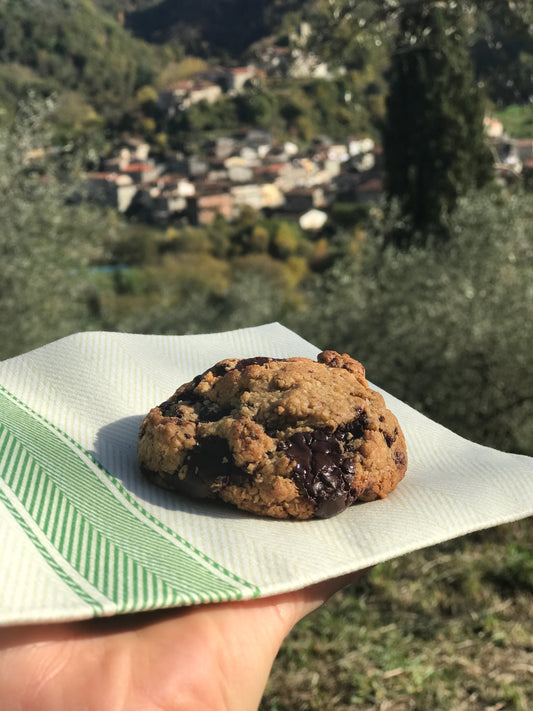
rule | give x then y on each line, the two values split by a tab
517	120
446	628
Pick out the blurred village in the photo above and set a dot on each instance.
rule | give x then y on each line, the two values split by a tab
247	168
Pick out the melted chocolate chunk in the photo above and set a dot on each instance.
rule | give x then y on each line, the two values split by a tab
258	360
207	411
322	471
171	408
356	428
210	466
399	458
211	412
390	439
188	397
220	369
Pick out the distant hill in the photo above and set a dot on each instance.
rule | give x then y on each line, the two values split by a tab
104	50
117	7
105	58
57	46
95	56
210	26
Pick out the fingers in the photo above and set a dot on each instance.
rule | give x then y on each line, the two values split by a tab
222	651
296	605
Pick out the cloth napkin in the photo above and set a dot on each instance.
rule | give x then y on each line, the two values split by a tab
82	534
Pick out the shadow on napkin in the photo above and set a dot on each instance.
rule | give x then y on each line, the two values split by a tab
116	450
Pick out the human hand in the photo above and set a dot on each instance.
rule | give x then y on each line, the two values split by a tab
205	658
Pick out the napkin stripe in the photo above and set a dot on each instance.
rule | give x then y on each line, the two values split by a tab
36	539
111	546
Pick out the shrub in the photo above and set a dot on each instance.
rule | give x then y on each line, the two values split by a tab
445	328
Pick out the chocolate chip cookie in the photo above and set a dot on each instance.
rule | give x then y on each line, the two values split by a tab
286	438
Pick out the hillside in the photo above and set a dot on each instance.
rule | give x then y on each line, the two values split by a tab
95	55
105	60
69	46
207	27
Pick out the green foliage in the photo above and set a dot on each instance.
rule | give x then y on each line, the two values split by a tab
174	70
514	571
205	278
517	120
502	49
436	150
297	109
46	244
500	37
259	239
191	302
348	214
69	45
204	118
285	242
443	327
73	117
16	80
257	107
354	39
318	106
136	247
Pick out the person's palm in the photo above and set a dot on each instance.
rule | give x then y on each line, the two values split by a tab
215	657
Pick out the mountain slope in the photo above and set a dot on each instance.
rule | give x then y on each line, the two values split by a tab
210	26
72	45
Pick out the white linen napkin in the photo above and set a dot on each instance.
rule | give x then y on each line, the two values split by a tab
82	534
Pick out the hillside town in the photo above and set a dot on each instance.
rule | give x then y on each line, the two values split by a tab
235	171
247	169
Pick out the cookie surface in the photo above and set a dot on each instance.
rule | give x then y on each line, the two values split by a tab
286	438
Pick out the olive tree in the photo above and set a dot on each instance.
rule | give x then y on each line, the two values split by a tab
46	242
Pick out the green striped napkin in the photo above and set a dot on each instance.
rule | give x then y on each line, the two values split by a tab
82	534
